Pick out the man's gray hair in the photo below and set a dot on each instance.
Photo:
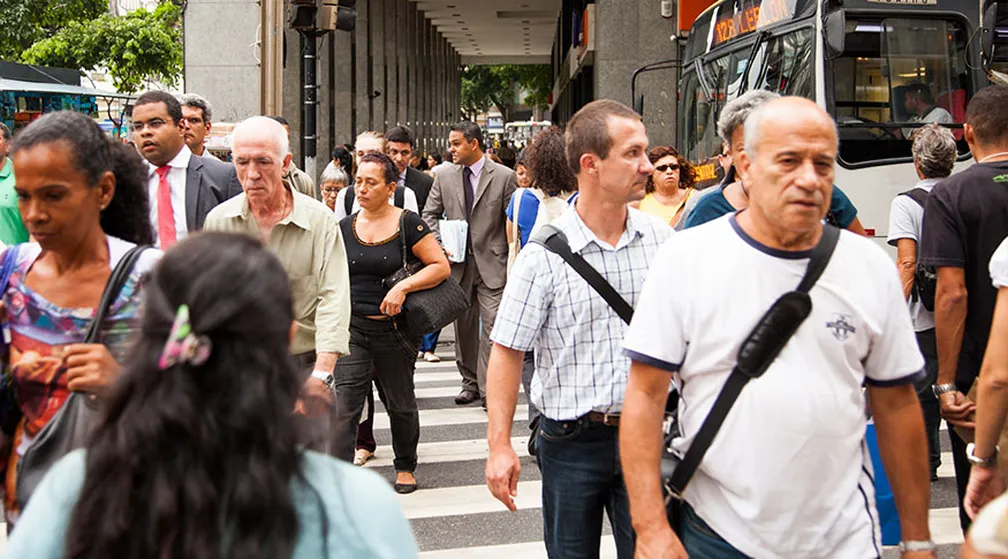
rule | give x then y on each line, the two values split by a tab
198	102
263	126
934	151
735	113
334	174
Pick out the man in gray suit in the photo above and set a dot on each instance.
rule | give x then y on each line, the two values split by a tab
475	190
182	187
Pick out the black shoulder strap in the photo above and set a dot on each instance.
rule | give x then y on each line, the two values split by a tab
114	285
738	379
349	199
400	197
555	241
918	195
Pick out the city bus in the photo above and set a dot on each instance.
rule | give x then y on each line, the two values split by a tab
855	58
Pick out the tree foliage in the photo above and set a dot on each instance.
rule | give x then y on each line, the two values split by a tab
135	47
24	22
485	86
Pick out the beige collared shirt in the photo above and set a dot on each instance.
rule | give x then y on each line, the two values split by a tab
310	248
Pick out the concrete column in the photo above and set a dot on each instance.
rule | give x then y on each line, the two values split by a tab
438	68
362	83
377	18
218	56
426	81
342	83
292	91
402	50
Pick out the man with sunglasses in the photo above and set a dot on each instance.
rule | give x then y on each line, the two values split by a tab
182	187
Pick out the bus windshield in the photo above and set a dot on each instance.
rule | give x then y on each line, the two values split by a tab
895	75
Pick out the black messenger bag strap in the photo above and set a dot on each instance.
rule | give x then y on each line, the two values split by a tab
756	355
555	241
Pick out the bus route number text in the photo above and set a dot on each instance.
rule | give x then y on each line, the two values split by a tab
750	18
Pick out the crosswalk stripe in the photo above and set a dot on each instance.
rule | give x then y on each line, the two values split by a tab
528	550
468	499
450	416
447	451
944	525
443	376
442	392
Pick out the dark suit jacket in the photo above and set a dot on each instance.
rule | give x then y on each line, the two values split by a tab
209	181
488	223
421	184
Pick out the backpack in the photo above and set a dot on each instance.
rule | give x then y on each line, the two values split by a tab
925	277
548	211
399	199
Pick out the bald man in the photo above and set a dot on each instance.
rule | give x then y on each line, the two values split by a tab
786	474
305	236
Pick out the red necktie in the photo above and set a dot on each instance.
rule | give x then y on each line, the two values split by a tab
166	216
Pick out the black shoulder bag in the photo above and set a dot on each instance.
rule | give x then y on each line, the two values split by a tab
925	277
757	353
71	427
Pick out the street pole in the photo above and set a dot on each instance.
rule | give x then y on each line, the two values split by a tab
309	102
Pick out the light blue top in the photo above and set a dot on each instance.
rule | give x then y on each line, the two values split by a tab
365	520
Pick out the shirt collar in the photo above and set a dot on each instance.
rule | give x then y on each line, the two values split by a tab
927	183
477	168
580	236
180	161
402	177
298	215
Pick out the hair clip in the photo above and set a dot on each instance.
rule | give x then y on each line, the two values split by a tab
184	346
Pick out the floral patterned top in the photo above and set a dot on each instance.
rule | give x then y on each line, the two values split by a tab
38	332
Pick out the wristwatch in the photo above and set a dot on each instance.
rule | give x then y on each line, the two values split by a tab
327	378
989	462
940	389
916	546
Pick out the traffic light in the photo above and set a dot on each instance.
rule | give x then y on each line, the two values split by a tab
302	14
338	15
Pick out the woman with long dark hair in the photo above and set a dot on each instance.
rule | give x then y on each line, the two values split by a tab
196	455
83	199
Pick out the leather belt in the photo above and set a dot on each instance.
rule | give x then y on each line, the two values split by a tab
608	419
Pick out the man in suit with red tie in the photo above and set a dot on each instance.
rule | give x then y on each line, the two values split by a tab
182	188
475	190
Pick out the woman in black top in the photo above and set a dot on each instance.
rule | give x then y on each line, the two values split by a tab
377	340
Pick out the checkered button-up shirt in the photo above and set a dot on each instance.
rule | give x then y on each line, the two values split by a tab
577	337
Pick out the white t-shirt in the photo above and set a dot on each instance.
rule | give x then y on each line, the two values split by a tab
934	115
788	474
999	265
905	220
409	201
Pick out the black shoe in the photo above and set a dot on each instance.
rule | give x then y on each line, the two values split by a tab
934	475
466	397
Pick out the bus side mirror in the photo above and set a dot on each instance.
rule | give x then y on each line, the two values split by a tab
994	41
638	104
834	34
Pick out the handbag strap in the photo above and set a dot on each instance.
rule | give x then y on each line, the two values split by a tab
515	233
737	379
402	238
114	285
555	241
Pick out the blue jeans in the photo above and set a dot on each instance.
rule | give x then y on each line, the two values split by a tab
429	341
701	542
581	479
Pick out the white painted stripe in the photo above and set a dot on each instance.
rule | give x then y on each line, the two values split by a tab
451	416
448	451
443	392
446	364
530	550
944	525
466	500
422	378
947	468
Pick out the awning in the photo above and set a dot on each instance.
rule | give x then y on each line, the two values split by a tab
7	84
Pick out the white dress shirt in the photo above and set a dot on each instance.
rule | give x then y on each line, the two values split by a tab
177	182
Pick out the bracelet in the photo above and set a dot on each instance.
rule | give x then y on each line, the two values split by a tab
327	378
916	546
940	389
989	462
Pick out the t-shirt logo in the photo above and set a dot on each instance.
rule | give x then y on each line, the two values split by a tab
841	326
1000	178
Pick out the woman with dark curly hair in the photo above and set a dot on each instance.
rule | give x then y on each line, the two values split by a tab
196	454
669	187
551	185
83	199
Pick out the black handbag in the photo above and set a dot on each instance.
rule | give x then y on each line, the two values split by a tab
431	309
71	427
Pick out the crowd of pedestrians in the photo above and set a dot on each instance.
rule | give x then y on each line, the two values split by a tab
191	346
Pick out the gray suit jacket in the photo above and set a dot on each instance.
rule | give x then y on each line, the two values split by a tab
209	181
488	224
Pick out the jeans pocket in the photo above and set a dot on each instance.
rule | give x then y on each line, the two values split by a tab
555	431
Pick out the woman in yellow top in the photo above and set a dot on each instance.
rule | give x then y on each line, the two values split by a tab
669	187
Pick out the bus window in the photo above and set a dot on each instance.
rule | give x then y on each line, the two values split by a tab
895	75
789	65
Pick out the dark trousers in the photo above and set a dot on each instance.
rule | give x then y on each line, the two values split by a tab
312	431
701	541
968	370
429	341
528	370
365	430
473	327
581	480
928	400
381	346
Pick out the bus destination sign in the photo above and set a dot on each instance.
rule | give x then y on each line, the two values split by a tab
753	15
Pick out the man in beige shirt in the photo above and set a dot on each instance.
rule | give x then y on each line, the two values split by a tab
305	236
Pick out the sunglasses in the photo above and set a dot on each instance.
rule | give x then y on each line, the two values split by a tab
663	168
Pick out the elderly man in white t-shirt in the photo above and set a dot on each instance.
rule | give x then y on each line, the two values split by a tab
788	474
934	153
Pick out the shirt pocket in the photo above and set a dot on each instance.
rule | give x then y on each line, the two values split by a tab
304	292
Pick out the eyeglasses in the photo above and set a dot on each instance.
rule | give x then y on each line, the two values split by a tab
152	124
663	168
332	189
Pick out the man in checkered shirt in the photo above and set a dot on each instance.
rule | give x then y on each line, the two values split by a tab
580	370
